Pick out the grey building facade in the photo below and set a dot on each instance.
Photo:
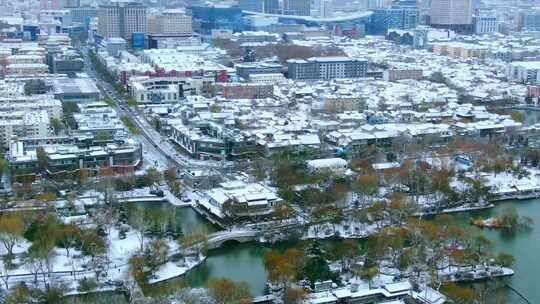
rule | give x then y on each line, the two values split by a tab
326	68
244	70
122	20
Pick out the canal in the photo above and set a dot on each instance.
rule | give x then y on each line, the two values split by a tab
523	245
244	262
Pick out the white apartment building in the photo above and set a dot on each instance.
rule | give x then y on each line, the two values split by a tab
25	59
270	78
34	103
27	69
23	124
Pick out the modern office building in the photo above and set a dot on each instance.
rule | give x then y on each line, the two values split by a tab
260	6
326	8
325	68
251	5
397	17
208	18
122	19
297	7
83	14
452	14
484	24
271	6
529	21
173	21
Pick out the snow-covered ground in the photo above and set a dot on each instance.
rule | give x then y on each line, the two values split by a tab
171	270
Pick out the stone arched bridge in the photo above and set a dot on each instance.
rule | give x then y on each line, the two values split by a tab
216	240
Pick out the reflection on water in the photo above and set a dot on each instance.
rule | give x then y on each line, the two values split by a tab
244	262
523	245
165	214
238	262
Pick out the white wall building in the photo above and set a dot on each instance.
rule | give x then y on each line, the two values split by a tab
271	78
23	124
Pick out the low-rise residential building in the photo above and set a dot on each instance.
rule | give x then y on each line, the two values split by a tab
22	124
326	68
171	62
460	50
99	119
212	140
274	78
241	90
255	37
67	63
340	102
33	103
66	158
245	70
27	69
400	74
146	89
25	59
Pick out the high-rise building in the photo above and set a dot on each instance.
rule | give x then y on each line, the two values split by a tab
260	6
327	8
399	16
484	24
122	19
173	21
297	7
271	6
452	14
83	14
529	20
